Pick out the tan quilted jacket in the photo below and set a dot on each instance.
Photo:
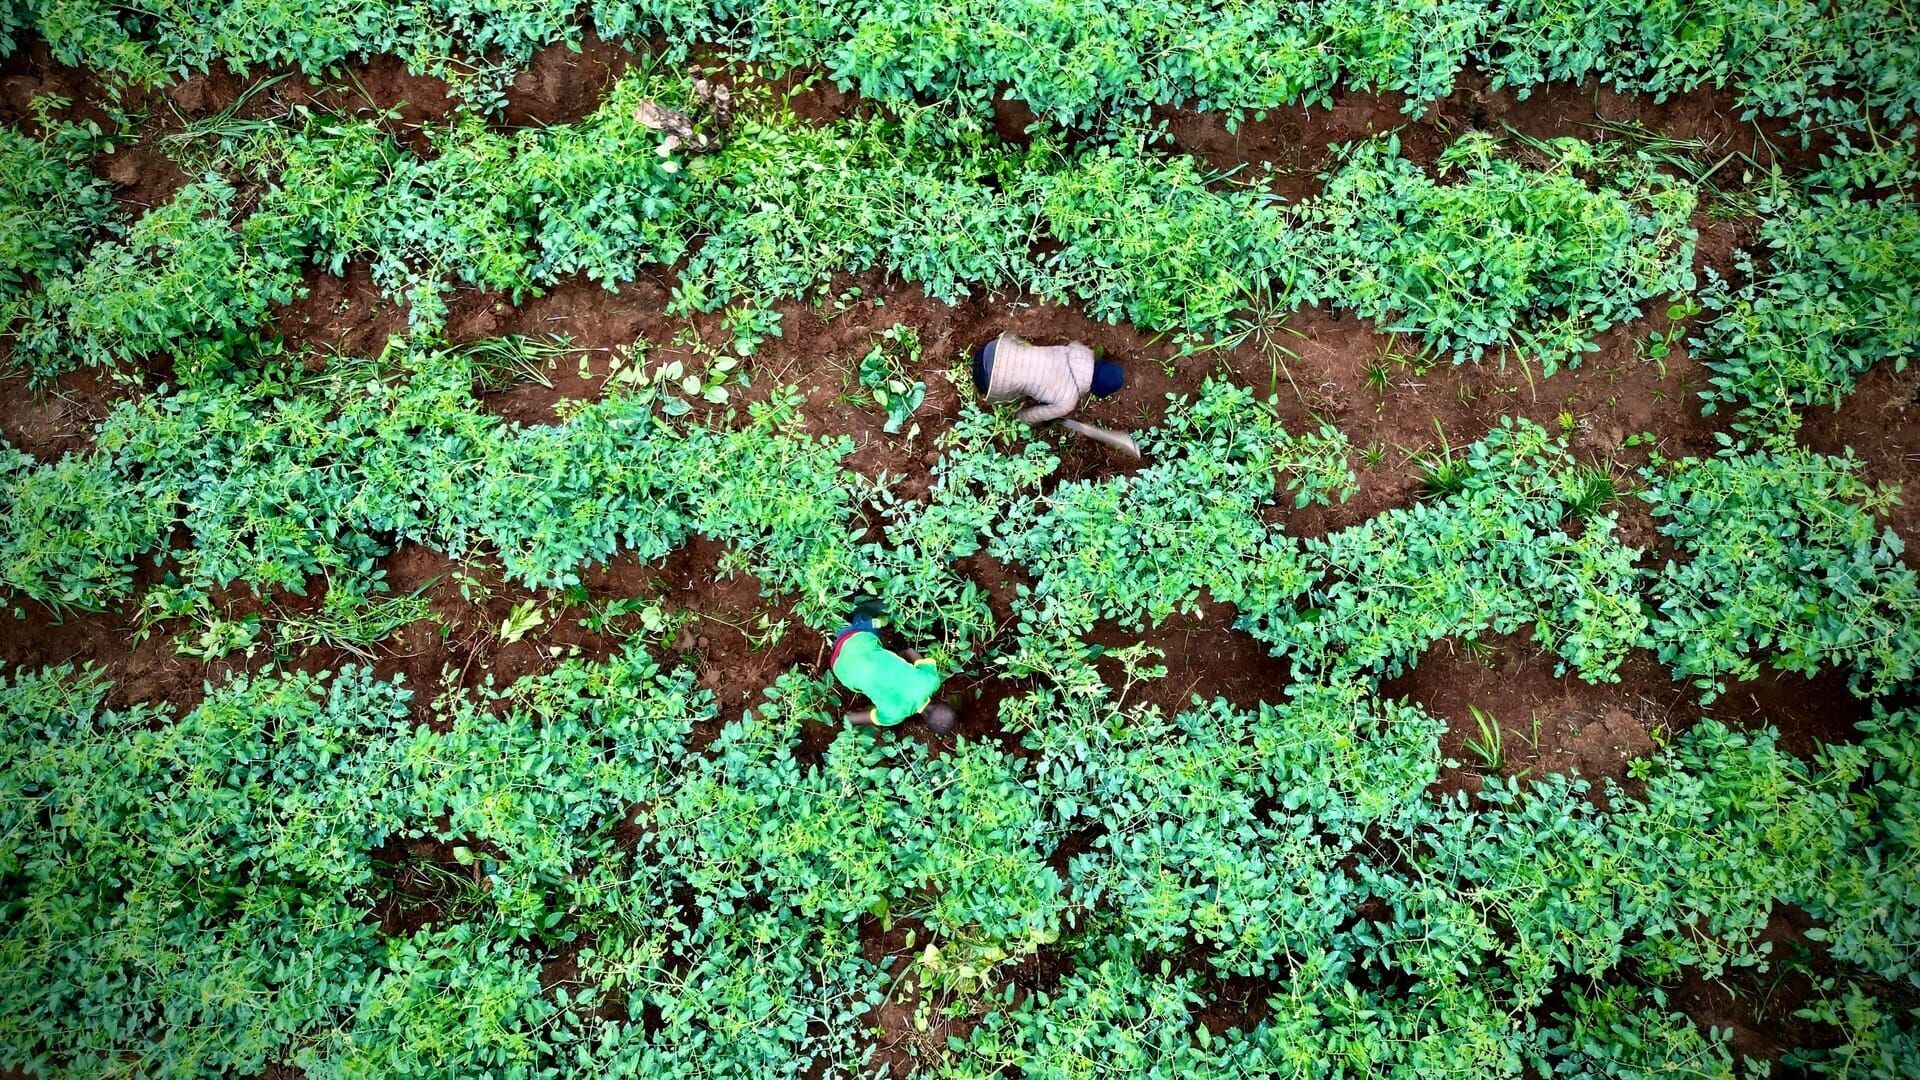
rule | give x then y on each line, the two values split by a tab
1053	377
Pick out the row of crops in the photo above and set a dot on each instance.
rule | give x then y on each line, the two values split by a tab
189	891
1075	62
168	869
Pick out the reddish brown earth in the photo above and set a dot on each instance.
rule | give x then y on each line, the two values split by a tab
1552	723
339	314
1299	142
1879	423
1314	364
58	418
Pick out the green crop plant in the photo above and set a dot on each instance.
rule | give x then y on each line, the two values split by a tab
1149	241
990	464
1489	745
1495	555
786	206
276	489
719	894
1617	1031
783	207
1878	1038
1784	562
1840	293
1783	57
1185	850
1137	549
350	619
1869	898
1536	261
592	872
185	282
883	373
1110	1014
1076	64
52	211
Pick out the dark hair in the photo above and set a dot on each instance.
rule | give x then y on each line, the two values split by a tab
939	717
1108	378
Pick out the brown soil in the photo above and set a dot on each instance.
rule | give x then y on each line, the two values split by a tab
1299	142
1880	423
1205	658
1758	1007
424	883
564	83
912	1025
56	419
1559	724
736	658
345	314
32	637
1235	1003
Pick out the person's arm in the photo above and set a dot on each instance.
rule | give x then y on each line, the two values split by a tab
911	656
1041	412
860	717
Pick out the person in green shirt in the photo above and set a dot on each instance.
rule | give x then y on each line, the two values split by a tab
900	687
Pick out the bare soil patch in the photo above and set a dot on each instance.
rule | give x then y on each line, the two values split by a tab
58	418
1558	723
1879	423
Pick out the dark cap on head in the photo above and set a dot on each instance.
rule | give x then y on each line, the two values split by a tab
939	717
1108	378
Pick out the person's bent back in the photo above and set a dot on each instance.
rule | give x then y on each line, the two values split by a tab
1053	377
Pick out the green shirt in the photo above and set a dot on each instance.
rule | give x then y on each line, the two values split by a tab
898	689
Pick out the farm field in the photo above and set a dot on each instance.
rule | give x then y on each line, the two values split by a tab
431	485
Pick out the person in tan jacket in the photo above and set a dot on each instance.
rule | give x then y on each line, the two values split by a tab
1053	377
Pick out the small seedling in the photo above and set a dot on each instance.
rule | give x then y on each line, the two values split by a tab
525	618
1379	378
1593	488
883	373
1441	473
1488	746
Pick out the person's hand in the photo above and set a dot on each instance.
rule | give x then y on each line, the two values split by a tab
912	655
860	717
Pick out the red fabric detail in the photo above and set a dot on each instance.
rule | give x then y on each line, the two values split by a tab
834	656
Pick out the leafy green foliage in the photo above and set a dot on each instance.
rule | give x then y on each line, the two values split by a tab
51	207
1534	259
277	487
1106	1015
1139	548
185	282
1785	58
1840	293
1868	898
1498	554
1229	829
883	374
207	891
1149	241
1076	63
1784	562
1541	258
1608	1031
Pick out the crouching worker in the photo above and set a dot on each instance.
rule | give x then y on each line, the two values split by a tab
900	687
1053	377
